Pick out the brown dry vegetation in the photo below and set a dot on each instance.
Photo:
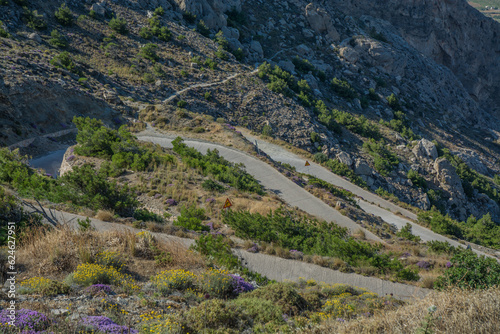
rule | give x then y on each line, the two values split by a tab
458	312
56	253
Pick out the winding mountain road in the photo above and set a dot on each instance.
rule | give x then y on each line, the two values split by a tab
271	266
274	181
369	202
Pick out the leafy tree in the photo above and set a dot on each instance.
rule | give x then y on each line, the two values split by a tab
417	179
64	60
64	15
470	271
34	20
393	102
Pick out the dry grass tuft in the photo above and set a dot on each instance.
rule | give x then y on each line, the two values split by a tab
105	215
458	312
56	253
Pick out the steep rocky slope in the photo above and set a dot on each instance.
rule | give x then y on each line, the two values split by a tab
438	61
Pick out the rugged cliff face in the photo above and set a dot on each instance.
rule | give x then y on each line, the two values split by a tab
452	33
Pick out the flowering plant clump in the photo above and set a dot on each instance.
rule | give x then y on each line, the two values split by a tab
44	286
97	288
105	325
154	322
110	259
240	285
28	321
216	283
171	202
173	279
424	265
92	273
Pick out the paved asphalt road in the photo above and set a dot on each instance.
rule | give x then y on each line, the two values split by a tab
271	179
382	208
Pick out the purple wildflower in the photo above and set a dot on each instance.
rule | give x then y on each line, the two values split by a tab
27	320
171	202
423	265
106	325
210	200
240	285
448	264
210	225
156	196
70	158
296	252
96	288
253	249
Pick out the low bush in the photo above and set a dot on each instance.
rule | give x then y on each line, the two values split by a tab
43	286
384	159
221	169
417	179
342	169
191	218
169	280
211	185
57	40
359	125
406	233
33	20
88	274
260	310
216	283
282	295
202	28
119	25
149	51
64	60
468	271
216	315
343	89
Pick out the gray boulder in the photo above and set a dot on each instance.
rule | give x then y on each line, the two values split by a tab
362	168
425	149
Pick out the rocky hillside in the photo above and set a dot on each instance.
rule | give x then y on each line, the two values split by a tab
407	98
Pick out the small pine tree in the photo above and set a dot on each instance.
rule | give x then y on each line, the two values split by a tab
58	40
64	15
119	25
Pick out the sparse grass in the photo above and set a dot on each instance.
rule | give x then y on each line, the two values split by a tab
457	311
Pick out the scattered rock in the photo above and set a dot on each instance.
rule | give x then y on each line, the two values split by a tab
344	158
362	168
99	9
425	149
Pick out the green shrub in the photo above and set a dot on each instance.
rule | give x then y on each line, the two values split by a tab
216	316
260	310
308	236
221	169
315	138
235	18
221	54
267	130
359	125
282	295
393	102
385	160
119	25
468	271
343	89
58	40
335	191
342	169
217	248
149	51
43	286
406	233
211	185
3	32
372	95
441	247
207	96
110	259
4	2
320	157
64	15
159	11
64	60
221	40
408	274
34	20
216	283
145	33
145	215
189	17
191	218
303	65
417	179
238	54
182	104
202	28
